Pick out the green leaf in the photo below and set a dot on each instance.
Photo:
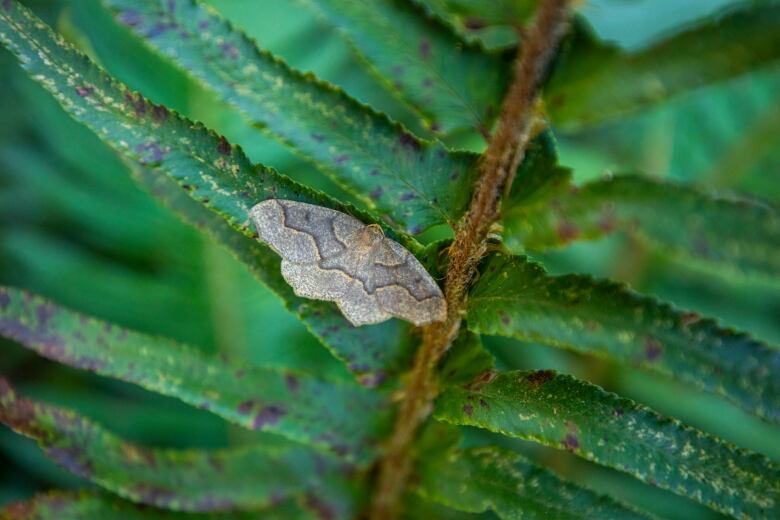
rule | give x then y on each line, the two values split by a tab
466	360
726	232
595	82
490	478
162	145
515	297
416	183
213	172
339	417
86	505
562	412
416	507
452	85
239	479
491	23
372	353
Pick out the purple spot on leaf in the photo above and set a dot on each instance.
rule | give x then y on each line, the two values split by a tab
223	146
246	406
468	409
653	349
408	196
341	159
151	153
377	192
154	495
425	49
71	458
159	28
292	382
267	416
5	300
138	103
130	17
84	91
571	442
229	51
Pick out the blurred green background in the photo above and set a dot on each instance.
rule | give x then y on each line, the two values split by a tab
74	227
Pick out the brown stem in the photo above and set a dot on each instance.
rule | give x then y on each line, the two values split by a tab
504	152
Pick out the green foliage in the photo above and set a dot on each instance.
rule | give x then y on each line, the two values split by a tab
568	414
725	232
178	480
157	286
584	89
333	415
453	86
515	297
481	479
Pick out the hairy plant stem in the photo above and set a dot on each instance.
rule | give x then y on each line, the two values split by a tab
505	150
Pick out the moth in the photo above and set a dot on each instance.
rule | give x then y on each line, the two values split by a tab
329	255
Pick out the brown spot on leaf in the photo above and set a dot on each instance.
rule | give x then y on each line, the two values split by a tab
484	404
160	113
505	318
481	380
540	377
468	409
317	506
223	146
689	318
409	141
567	231
474	24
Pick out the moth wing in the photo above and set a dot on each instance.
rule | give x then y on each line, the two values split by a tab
402	287
300	232
312	281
